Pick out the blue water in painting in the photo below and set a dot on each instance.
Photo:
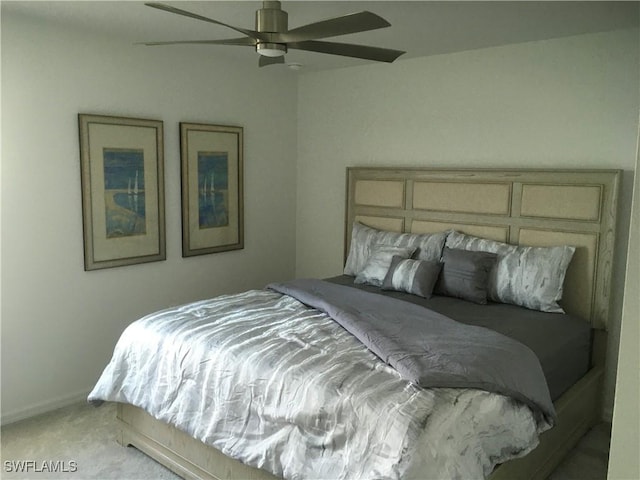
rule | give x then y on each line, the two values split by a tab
123	168
135	203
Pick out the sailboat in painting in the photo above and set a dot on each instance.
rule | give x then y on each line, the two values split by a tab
133	191
135	185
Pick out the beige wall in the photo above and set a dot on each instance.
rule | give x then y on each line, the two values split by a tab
624	461
565	103
59	323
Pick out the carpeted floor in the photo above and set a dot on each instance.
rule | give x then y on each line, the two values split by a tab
82	434
80	442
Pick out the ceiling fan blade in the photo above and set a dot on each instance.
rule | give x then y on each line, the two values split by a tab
244	41
348	50
170	9
353	23
264	61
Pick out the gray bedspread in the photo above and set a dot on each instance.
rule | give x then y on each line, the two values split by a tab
562	342
427	348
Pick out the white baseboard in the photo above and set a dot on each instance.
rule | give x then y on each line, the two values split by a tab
43	407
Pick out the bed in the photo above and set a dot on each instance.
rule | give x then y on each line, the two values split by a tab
517	207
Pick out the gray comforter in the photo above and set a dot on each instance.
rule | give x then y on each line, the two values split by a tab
427	348
281	386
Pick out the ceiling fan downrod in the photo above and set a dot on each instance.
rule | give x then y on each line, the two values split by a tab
271	19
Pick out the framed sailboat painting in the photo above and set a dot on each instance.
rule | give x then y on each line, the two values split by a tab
122	174
212	188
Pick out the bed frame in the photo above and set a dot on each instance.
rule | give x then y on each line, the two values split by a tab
528	207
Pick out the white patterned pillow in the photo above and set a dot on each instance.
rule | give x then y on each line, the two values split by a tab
417	277
379	261
428	245
531	277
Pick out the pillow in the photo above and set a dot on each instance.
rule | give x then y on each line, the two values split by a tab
429	245
465	274
379	261
531	277
417	277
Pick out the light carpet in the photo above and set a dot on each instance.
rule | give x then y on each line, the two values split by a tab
82	434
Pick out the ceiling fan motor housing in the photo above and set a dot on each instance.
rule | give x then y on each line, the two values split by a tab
271	19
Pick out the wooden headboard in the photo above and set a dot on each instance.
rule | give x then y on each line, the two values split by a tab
525	207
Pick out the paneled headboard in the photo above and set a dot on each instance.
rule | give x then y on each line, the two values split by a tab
527	207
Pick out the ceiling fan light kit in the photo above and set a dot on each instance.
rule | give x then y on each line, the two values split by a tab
271	49
272	37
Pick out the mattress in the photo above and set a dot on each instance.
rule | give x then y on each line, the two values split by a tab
561	342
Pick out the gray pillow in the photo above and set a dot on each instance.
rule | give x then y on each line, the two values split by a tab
379	261
465	274
531	277
417	277
428	245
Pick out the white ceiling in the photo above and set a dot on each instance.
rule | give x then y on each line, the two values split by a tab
420	28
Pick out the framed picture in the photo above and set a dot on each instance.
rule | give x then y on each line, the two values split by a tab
122	174
212	191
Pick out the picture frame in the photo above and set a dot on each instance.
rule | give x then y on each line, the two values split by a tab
212	188
122	180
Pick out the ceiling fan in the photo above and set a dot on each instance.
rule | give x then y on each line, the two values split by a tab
272	37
